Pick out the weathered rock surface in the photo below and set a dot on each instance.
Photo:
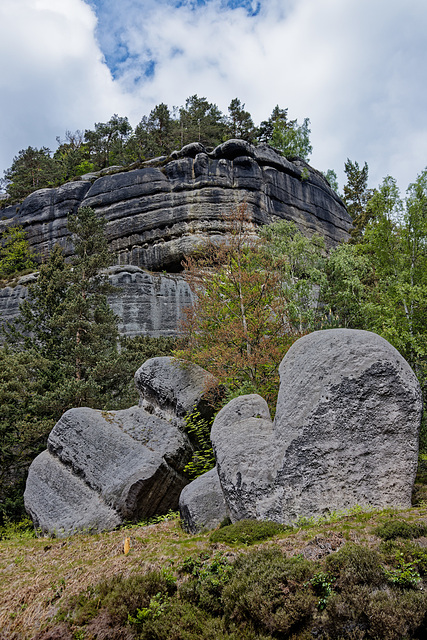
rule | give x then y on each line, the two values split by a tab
201	504
150	304
345	432
348	417
104	467
157	214
242	437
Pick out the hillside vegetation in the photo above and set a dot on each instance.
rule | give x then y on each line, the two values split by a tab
361	574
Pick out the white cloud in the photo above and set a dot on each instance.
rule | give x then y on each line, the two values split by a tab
53	74
355	68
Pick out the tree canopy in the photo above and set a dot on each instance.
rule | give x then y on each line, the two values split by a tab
157	134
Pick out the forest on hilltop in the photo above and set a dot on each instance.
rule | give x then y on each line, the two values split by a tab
116	143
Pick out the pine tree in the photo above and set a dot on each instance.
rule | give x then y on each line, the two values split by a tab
356	196
66	318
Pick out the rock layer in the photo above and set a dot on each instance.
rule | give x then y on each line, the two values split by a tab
149	304
158	214
104	467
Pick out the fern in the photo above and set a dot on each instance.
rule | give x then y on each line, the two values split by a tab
203	459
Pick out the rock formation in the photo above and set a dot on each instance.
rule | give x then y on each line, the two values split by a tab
102	468
162	211
345	433
149	304
202	504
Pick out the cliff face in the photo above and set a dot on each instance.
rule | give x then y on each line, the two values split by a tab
157	214
164	210
149	304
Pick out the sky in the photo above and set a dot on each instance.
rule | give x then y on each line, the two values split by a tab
356	68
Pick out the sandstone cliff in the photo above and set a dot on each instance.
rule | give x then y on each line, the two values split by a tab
158	213
163	210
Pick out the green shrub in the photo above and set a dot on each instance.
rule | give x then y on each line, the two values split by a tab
401	529
121	597
352	565
203	459
206	587
184	621
270	592
404	575
247	532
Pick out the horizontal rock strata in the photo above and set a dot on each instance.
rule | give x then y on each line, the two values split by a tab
158	214
149	304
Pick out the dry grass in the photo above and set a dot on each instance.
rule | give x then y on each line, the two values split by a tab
38	576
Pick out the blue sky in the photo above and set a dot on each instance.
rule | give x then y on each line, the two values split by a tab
356	68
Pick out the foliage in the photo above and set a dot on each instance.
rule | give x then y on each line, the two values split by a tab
241	323
247	532
31	169
157	134
25	421
203	458
332	179
60	353
300	263
66	318
355	565
201	121
401	529
72	156
209	578
356	196
322	585
269	592
106	143
239	122
380	282
15	254
405	575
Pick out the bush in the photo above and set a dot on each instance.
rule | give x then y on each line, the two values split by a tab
354	565
120	597
271	592
401	529
206	587
247	532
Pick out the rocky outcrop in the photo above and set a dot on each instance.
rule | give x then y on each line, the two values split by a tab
345	432
162	211
102	468
149	304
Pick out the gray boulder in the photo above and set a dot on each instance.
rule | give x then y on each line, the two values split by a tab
201	504
171	389
347	423
242	438
345	432
105	467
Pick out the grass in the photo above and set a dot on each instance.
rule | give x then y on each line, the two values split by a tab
40	577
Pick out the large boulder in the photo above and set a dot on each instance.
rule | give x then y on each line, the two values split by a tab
242	437
345	432
202	504
347	419
102	468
